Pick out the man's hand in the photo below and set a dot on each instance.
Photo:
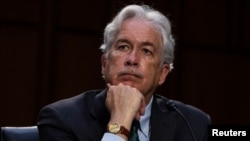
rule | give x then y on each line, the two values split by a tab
124	103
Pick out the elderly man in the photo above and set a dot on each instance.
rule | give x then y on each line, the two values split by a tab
137	57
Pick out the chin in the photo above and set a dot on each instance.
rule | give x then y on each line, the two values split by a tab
128	83
131	84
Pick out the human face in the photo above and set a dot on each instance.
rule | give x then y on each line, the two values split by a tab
134	58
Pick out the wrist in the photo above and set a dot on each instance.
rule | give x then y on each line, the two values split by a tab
118	129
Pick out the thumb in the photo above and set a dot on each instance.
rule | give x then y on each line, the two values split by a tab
142	107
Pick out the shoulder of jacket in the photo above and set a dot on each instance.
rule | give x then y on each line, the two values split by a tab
188	110
80	99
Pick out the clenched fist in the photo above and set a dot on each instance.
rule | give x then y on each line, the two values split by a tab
125	104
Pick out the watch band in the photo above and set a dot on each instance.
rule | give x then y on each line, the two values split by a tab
124	131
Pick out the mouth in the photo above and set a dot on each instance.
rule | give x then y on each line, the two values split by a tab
130	78
130	75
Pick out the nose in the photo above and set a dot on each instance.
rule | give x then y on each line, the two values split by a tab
132	59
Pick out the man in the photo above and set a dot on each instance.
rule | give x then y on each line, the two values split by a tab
137	57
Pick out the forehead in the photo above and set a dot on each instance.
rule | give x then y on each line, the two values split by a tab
140	31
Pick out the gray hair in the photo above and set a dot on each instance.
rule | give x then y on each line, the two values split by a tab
146	13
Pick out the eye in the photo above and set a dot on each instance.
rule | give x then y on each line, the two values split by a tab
147	51
123	47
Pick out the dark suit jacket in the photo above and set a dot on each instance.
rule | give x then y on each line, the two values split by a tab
85	117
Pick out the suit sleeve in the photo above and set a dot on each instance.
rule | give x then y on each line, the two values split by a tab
51	127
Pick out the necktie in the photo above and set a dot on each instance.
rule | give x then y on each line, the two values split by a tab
134	131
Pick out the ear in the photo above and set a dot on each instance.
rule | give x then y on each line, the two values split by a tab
164	72
103	61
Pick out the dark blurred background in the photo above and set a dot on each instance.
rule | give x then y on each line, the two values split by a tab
49	51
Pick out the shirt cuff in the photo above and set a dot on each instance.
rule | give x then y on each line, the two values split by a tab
111	137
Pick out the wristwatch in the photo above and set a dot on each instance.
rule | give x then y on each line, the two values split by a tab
116	128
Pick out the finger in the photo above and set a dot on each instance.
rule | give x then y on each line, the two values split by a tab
142	107
108	85
137	117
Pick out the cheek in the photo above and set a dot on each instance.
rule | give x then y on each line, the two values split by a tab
113	64
153	71
148	70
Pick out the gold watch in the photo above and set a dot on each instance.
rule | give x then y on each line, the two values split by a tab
116	128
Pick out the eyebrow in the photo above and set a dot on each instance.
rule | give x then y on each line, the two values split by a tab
146	43
123	41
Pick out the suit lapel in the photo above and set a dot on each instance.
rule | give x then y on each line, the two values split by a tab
99	114
162	121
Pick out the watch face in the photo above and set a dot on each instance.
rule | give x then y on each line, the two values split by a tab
114	128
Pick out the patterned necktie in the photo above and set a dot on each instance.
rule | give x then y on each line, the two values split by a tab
134	131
